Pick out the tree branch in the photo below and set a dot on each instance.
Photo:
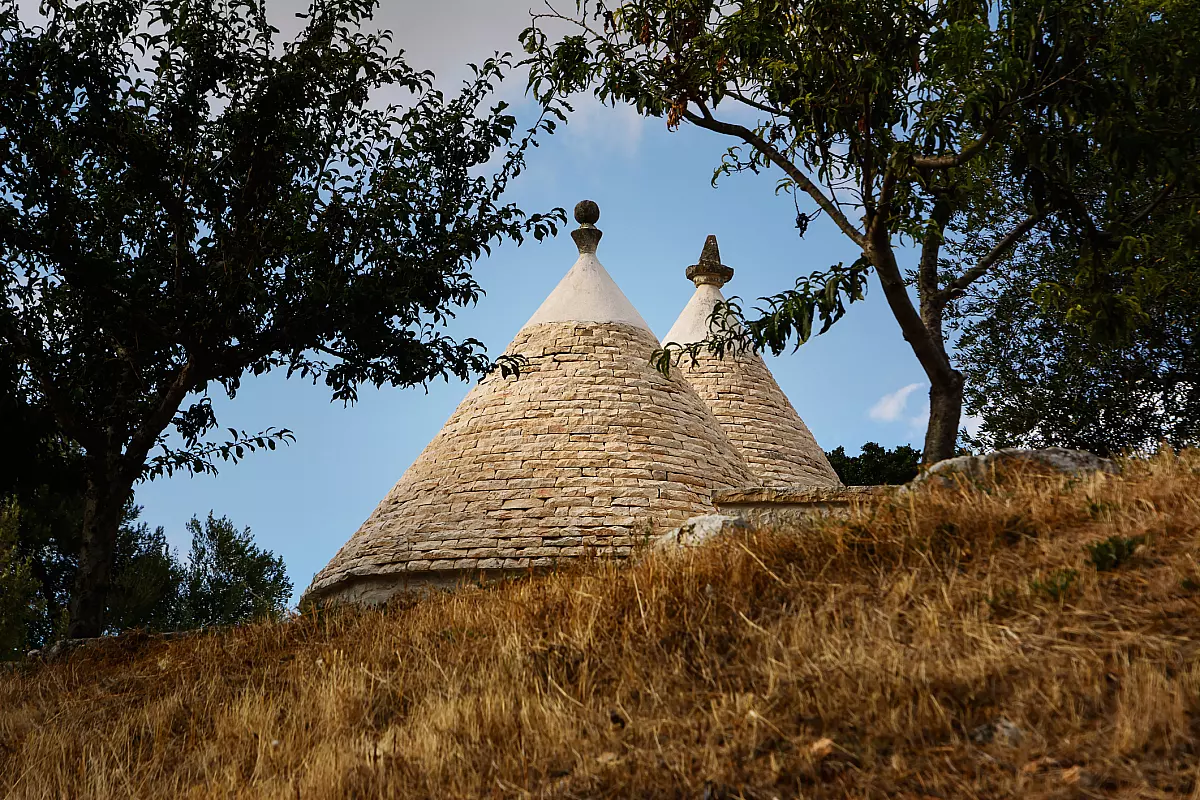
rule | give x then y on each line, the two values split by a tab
741	98
708	122
931	248
977	146
888	190
1003	246
928	351
1142	215
134	459
957	159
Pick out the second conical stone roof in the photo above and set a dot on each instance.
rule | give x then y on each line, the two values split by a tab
588	449
742	393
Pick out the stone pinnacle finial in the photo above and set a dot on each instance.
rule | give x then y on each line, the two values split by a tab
710	270
587	235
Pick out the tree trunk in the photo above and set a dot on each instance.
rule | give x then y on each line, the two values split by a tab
104	508
924	334
945	411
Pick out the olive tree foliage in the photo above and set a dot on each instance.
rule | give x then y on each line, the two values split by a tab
186	200
897	120
1037	377
1036	380
228	579
225	578
1107	361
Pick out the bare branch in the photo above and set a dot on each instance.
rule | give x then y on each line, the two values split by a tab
926	344
1142	215
931	248
741	98
134	459
888	190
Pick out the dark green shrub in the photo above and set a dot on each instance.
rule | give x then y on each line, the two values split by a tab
1056	585
1112	552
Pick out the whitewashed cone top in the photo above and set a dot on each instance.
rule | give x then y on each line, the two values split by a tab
587	294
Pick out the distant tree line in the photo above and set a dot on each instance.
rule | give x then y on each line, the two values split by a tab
875	465
225	578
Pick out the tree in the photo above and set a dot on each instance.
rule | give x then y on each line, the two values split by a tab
185	201
147	581
228	578
1037	379
151	588
19	602
875	465
904	112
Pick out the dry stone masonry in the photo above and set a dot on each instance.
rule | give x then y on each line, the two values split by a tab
743	395
589	449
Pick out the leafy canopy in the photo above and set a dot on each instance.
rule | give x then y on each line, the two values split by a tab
185	200
1037	379
900	121
883	106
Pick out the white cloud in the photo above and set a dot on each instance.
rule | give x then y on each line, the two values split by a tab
443	35
599	129
891	407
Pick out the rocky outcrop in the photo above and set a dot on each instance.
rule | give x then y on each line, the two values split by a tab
698	530
1054	459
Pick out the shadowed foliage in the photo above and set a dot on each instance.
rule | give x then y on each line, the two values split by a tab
187	201
1038	378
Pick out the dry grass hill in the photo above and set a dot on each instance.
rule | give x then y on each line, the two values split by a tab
1032	637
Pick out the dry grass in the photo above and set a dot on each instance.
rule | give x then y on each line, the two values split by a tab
853	658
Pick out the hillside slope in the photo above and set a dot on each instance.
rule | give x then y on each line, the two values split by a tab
951	642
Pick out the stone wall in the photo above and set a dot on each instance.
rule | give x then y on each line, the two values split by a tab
768	505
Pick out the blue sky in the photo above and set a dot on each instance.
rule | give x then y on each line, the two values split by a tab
859	382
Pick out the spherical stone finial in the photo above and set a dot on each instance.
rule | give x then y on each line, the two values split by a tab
587	235
587	212
709	270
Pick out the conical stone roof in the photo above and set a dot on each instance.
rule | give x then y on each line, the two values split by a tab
742	393
589	448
